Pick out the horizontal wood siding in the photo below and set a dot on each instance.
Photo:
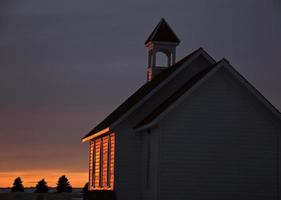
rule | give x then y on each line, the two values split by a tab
128	164
219	143
112	161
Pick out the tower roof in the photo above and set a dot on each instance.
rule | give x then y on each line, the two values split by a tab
162	33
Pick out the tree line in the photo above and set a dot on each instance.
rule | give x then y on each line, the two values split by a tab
63	185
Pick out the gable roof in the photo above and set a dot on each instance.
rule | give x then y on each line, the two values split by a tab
153	117
163	33
142	92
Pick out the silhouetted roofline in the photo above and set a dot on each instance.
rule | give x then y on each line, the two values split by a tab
144	91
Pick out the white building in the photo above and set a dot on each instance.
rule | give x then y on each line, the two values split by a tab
196	130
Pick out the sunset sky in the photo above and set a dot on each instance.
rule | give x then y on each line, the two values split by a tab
66	64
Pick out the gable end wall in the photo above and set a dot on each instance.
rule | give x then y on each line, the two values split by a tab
219	143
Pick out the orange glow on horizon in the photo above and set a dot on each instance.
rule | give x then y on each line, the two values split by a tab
30	178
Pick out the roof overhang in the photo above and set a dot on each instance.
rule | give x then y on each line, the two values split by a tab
94	135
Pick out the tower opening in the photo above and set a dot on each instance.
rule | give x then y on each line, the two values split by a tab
162	60
161	44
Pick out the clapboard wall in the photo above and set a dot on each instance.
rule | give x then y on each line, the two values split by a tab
219	143
131	147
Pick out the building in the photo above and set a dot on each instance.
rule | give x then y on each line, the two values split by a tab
196	130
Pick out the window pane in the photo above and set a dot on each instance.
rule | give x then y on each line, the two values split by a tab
97	162
104	160
91	164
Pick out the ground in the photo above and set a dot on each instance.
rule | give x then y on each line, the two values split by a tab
35	196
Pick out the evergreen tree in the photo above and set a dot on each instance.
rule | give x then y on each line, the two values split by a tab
63	185
42	187
86	188
17	185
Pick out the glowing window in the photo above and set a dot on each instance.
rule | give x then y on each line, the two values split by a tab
101	163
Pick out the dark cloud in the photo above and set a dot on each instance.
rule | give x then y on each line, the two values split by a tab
65	64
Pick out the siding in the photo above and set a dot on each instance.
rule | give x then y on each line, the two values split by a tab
130	181
150	164
128	174
219	143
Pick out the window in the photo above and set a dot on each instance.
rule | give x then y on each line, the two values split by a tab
101	163
162	60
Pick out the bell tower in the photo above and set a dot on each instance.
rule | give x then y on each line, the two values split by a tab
161	40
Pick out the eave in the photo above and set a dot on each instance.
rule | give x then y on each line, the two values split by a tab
99	133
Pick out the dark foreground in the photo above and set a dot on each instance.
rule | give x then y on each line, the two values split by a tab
35	196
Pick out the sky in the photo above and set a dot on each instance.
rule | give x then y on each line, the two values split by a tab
65	65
